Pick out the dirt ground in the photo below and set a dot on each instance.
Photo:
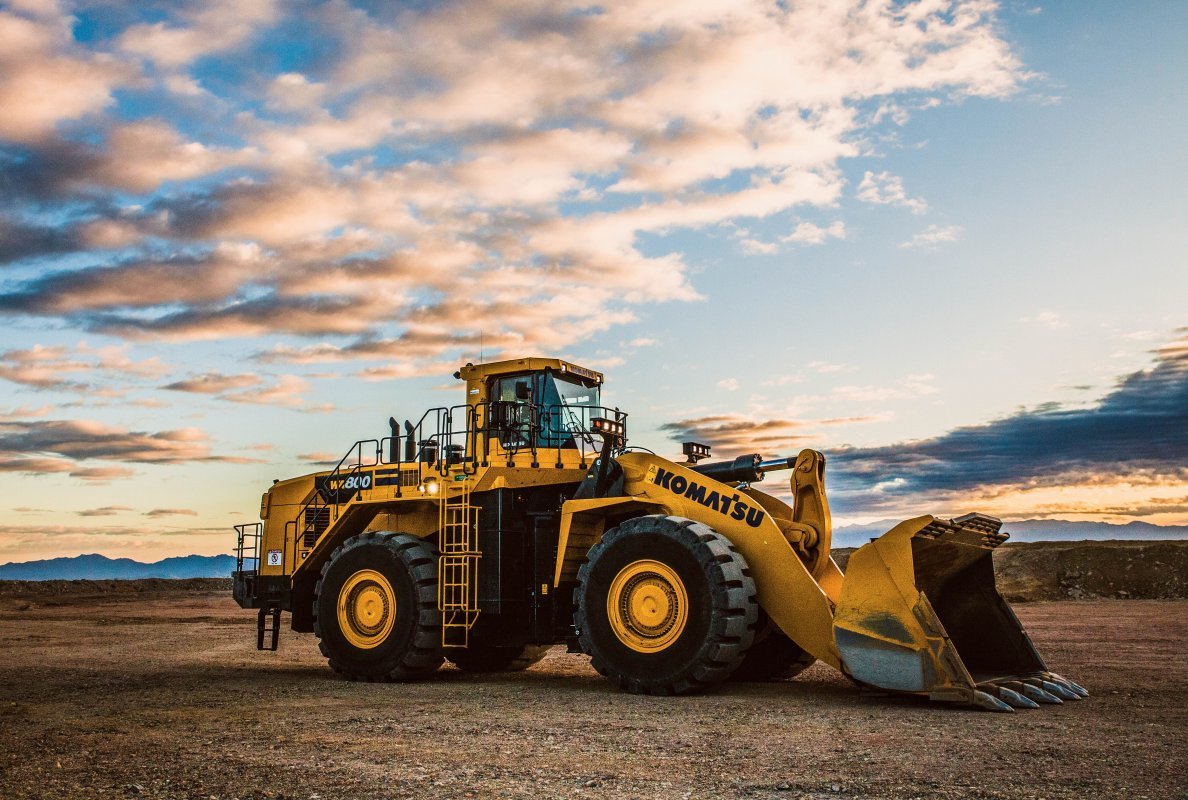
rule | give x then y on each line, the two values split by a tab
162	694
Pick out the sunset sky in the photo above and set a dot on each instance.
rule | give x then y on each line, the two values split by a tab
942	241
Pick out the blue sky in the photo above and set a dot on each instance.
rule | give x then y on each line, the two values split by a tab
941	241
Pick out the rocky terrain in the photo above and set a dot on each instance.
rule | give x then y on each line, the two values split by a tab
155	689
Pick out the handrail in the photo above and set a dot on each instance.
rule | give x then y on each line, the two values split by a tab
538	433
244	539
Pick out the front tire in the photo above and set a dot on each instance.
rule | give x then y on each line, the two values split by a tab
375	608
665	605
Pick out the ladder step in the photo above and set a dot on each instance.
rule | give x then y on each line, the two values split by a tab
268	625
457	566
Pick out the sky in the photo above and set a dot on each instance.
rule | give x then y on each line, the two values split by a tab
941	241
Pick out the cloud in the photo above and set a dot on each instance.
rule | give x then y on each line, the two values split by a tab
57	367
105	511
171	512
733	434
56	446
35	465
443	170
1049	319
320	458
756	247
45	77
1122	457
286	391
41	367
140	284
547	165
142	155
101	474
932	236
19	240
810	233
134	157
293	91
826	367
245	388
883	188
114	358
205	28
729	384
783	380
213	383
1137	433
804	233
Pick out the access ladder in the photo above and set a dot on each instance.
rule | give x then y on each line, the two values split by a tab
457	566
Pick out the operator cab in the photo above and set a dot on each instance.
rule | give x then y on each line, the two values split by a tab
535	401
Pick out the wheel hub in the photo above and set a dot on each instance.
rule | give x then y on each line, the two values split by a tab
647	605
366	608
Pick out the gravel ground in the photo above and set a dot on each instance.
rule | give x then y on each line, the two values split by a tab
162	694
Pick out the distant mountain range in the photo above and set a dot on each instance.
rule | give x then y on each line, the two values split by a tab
96	567
1034	530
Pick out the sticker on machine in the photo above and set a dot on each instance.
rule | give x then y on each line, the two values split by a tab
274	558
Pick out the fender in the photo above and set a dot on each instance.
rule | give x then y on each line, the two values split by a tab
584	521
760	527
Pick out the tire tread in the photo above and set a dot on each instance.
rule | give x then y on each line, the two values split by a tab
733	596
424	655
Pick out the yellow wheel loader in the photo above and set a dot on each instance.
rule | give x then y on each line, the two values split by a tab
489	531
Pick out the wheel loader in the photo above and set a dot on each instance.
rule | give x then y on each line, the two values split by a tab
489	531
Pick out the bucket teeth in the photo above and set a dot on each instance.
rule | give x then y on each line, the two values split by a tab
1013	698
1076	687
1034	690
1047	687
1060	690
1018	694
989	702
1028	692
1038	694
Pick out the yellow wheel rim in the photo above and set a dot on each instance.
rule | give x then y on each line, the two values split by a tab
647	606
366	609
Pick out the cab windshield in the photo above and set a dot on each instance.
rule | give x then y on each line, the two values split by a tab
563	406
562	392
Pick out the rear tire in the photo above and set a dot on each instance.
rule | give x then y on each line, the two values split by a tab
478	658
773	656
375	608
665	605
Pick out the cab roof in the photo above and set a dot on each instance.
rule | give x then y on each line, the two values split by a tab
481	372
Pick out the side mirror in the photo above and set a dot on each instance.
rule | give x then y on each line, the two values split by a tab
523	390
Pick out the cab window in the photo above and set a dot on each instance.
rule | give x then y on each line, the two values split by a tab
565	408
550	404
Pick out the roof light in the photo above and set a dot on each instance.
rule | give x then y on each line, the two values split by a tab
606	427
